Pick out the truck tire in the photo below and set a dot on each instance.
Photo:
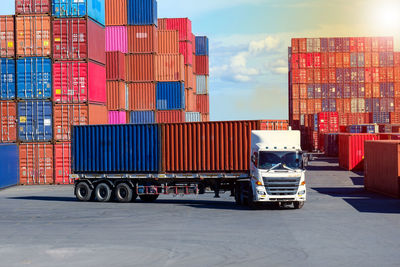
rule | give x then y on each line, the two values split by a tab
83	192
102	192
298	204
238	191
148	198
123	193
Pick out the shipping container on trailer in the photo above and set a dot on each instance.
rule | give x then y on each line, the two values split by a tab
192	117
169	67
182	25
94	9
28	7
115	66
62	163
34	78
116	12
33	36
36	164
202	65
142	12
9	165
35	121
8	122
170	96
142	39
168	41
141	67
117	117
117	39
201	84
117	95
79	82
7	79
7	40
142	96
143	117
202	46
170	116
78	39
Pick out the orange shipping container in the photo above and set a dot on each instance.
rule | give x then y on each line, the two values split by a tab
117	96
142	39
295	91
168	42
36	163
98	114
62	163
8	122
346	60
302	45
116	14
339	60
318	105
295	45
368	60
33	36
170	68
368	90
142	96
189	76
141	67
205	117
190	98
170	116
397	90
7	39
203	104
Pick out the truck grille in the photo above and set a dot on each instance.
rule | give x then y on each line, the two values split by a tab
281	186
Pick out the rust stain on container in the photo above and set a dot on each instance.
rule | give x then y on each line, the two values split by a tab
170	67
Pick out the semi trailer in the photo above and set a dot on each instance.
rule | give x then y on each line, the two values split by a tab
124	162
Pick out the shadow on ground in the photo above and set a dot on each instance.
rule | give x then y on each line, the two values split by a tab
362	200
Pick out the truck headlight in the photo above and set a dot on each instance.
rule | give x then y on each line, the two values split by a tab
260	192
302	192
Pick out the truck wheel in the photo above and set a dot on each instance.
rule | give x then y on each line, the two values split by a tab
123	193
298	204
238	199
83	192
102	192
148	198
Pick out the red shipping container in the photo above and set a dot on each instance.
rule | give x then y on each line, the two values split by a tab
79	82
7	40
302	61
318	105
295	61
396	59
346	105
339	60
185	48
397	104
142	39
368	44
302	45
353	44
296	107
28	7
202	65
383	45
115	66
374	44
389	74
375	75
332	75
140	67
78	39
368	90
295	91
170	67
303	91
203	103
303	76
395	118
332	60
317	76
368	75
295	45
303	107
36	164
189	77
396	89
294	75
310	76
62	163
170	116
375	59
396	74
339	105
117	96
351	150
34	36
8	122
361	44
182	25
328	122
310	106
376	92
382	75
142	96
310	60
346	60
324	60
324	76
368	60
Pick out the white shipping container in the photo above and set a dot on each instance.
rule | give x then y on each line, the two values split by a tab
201	84
361	105
354	108
193	117
310	45
317	45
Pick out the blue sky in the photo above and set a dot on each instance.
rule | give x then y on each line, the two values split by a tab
249	40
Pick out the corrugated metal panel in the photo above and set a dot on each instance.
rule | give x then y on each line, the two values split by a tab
66	115
191	100
116	12
207	147
170	95
9	165
142	96
193	117
35	121
34	36
98	114
142	117
7	79
202	65
8	122
62	163
141	68
117	39
36	164
78	39
201	84
142	39
115	66
142	12
73	8
186	49
116	149
189	77
117	96
28	7
117	117
203	103
183	25
168	42
170	67
7	48
34	78
170	116
202	46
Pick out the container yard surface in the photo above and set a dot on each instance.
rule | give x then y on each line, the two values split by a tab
340	225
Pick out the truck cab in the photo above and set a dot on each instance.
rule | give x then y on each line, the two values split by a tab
277	171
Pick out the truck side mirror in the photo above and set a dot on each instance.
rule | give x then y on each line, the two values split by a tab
305	160
254	159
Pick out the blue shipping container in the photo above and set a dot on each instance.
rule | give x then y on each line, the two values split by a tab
9	165
142	12
95	9
35	121
116	148
142	117
170	96
34	79
7	79
202	46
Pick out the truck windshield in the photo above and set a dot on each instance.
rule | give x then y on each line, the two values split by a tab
268	160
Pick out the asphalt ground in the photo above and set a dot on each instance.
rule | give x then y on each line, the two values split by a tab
340	225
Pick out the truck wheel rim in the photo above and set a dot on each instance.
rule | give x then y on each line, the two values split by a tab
82	192
123	193
103	192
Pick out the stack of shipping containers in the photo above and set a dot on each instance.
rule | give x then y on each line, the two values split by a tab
338	82
202	76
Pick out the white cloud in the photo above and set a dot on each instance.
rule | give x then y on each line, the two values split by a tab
268	44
